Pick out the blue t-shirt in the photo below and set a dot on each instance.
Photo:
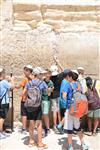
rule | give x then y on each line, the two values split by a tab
4	88
75	85
66	87
42	85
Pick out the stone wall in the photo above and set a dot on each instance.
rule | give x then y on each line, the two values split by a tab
32	32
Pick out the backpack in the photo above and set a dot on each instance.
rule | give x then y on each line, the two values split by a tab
93	99
33	96
79	103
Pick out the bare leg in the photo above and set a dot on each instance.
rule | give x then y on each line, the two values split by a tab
96	123
24	121
1	124
90	124
80	134
59	116
55	118
39	129
46	121
70	139
31	127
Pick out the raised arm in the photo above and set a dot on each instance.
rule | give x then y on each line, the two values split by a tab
58	63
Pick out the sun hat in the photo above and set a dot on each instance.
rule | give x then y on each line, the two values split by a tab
54	70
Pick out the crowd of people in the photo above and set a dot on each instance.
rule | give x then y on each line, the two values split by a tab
52	92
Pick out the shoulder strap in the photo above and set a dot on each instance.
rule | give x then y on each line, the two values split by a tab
1	98
94	83
39	83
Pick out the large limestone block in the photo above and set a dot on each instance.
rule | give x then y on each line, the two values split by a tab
25	7
70	8
28	16
71	16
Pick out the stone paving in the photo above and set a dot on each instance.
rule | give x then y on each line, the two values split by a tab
17	141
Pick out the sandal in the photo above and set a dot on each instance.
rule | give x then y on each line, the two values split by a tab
43	146
31	144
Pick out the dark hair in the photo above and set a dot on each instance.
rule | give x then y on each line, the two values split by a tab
28	69
74	76
48	70
67	74
89	82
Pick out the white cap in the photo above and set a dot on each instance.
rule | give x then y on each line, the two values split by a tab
1	70
54	70
29	67
75	71
41	70
36	71
80	68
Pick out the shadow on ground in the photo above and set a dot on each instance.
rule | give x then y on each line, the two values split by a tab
26	139
64	144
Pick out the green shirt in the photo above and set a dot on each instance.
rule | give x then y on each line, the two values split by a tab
45	96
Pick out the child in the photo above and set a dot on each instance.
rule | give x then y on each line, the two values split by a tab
28	73
34	115
46	101
72	122
94	106
5	87
63	103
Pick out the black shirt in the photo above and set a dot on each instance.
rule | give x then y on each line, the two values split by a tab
57	83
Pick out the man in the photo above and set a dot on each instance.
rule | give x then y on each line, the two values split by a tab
5	87
72	122
46	101
81	79
56	78
35	115
28	76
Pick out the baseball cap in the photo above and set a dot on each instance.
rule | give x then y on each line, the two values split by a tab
75	71
66	71
29	67
80	68
54	70
1	70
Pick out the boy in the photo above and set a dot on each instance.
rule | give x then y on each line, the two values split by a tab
72	122
35	115
63	103
5	87
46	101
28	73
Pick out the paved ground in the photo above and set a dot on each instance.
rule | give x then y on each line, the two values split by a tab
17	141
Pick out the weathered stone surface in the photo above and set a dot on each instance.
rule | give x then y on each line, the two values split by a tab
32	32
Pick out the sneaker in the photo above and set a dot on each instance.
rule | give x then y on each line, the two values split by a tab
84	146
70	147
60	130
5	134
55	130
24	131
94	133
46	132
2	136
88	133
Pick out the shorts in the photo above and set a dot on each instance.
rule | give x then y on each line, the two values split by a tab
62	112
45	107
35	114
94	113
71	123
4	108
23	109
55	105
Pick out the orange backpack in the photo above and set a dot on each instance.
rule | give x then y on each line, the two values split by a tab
79	103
